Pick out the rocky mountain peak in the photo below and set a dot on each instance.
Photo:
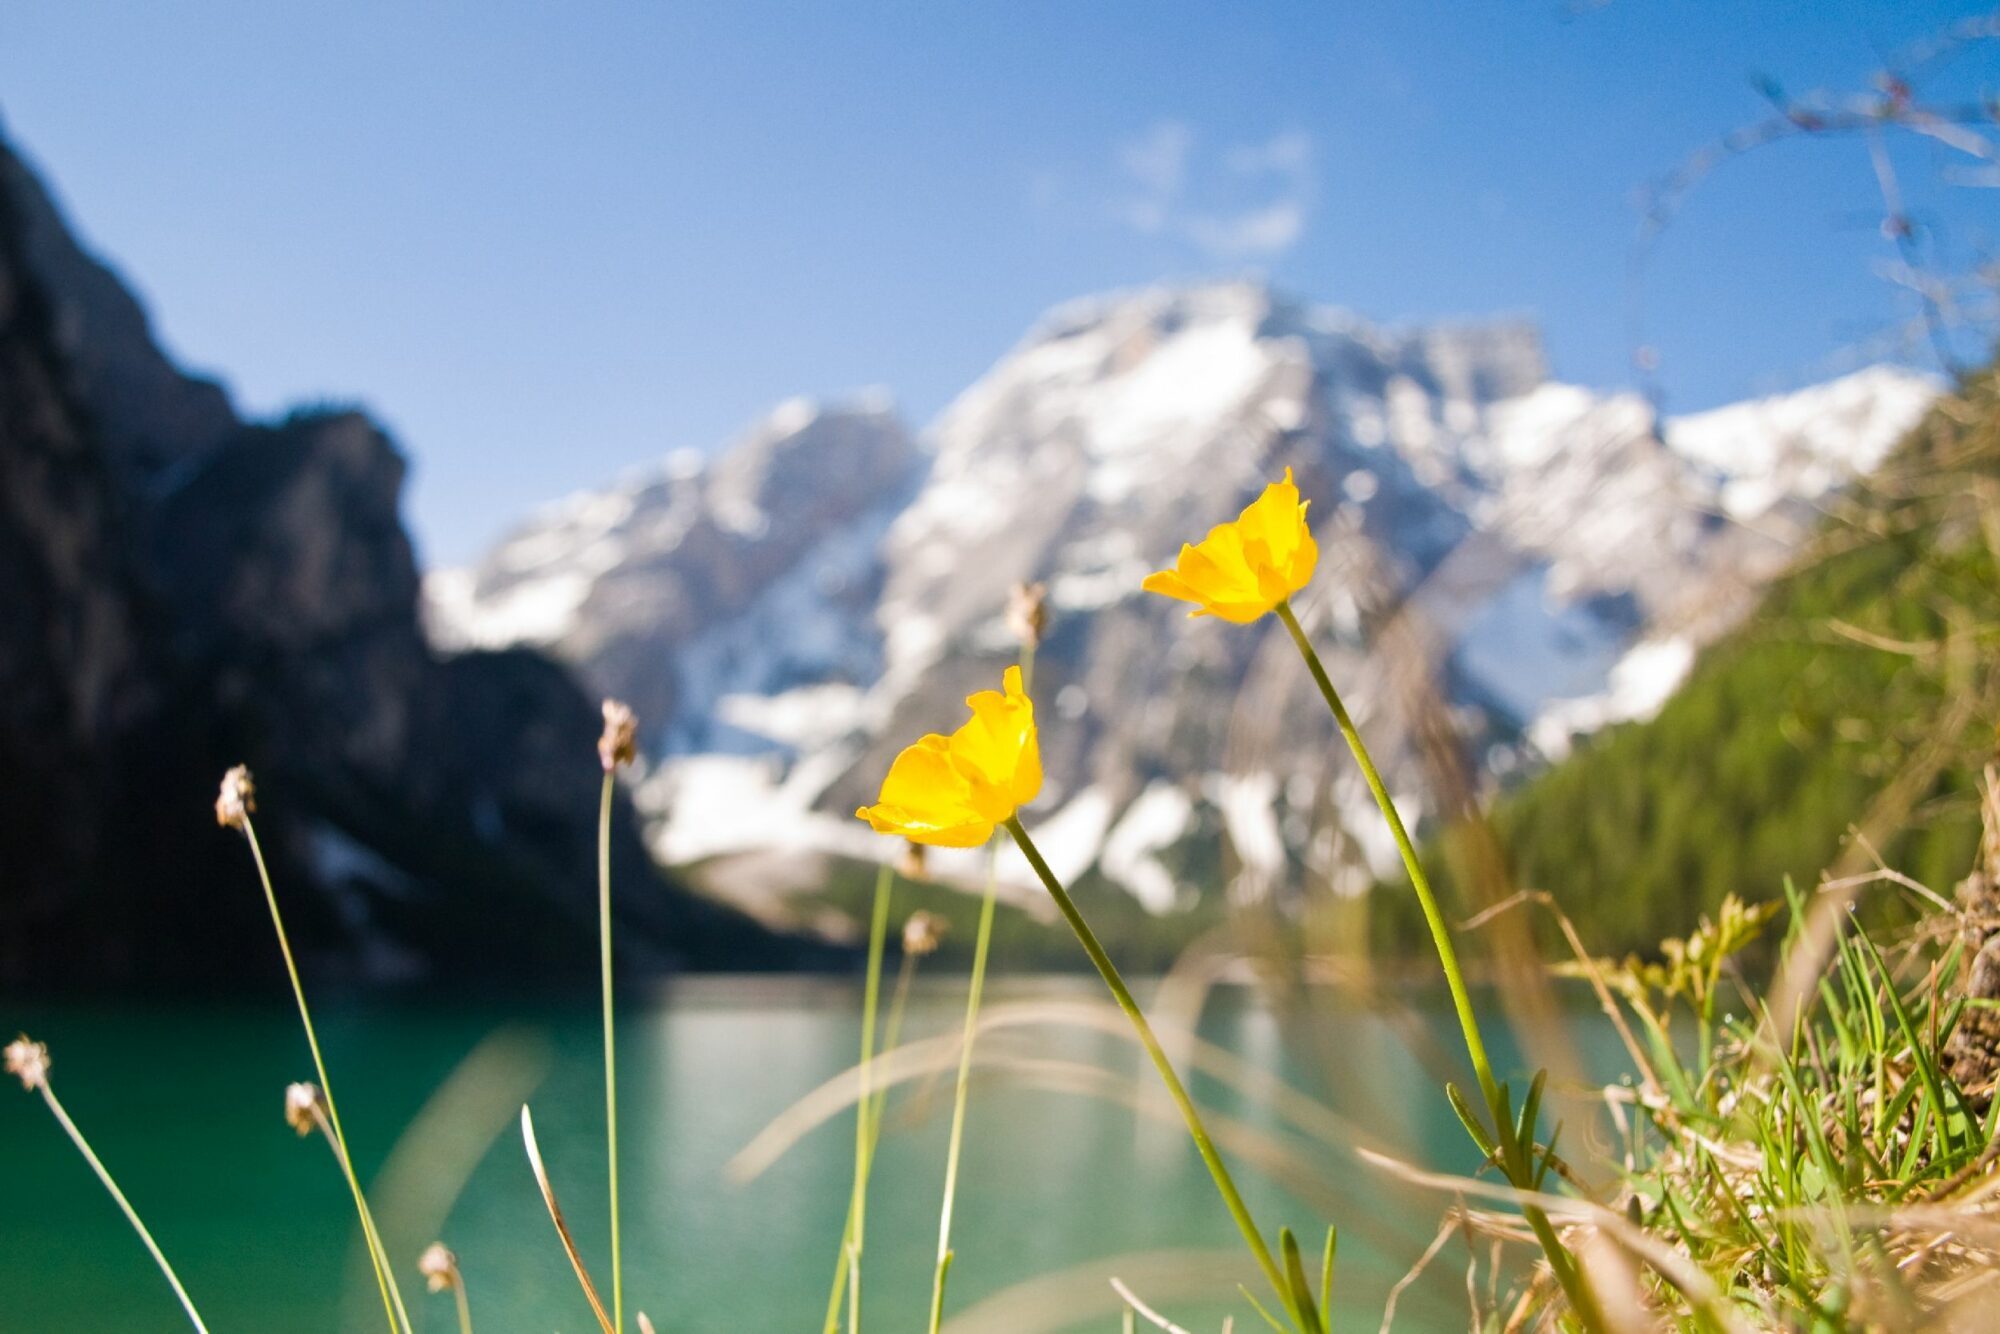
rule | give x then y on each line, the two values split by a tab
702	578
1550	554
808	464
149	413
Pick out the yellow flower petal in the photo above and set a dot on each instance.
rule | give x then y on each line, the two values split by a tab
952	791
918	828
923	774
1241	570
926	799
1168	583
1240	613
997	750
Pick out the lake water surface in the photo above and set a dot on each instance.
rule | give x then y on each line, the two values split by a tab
1061	1184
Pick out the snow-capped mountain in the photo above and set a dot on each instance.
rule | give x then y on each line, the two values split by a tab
703	582
791	613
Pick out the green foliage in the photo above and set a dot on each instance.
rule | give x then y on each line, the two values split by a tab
1771	1164
1862	693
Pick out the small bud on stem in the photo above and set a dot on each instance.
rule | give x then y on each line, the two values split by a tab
1028	613
28	1061
620	742
439	1266
237	800
305	1108
923	933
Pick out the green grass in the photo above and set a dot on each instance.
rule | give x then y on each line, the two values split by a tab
1776	1161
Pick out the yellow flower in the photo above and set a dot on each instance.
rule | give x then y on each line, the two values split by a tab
952	791
1243	569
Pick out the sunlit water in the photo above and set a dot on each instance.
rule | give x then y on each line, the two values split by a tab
1059	1188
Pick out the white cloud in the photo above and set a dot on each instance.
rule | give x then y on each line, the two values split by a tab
1156	161
1288	154
1254	206
1271	230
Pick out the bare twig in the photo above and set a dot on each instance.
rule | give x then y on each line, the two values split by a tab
556	1216
1891	105
1451	1225
1131	1299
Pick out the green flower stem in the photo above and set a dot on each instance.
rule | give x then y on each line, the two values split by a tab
131	1214
385	1277
847	1265
870	1002
1517	1163
978	985
1203	1144
892	1031
464	1307
838	1292
610	1044
341	1160
1461	999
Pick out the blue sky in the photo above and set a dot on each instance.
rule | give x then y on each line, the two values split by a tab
547	243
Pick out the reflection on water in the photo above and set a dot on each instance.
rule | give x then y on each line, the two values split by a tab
185	1106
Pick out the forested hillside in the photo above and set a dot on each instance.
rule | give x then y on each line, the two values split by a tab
1860	700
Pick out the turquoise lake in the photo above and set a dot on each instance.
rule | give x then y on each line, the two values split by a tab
1061	1185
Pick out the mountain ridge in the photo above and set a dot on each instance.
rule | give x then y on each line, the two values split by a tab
1527	539
1846	726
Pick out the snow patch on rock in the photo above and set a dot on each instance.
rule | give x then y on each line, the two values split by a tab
1156	820
1640	685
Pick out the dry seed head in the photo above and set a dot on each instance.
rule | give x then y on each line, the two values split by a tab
28	1060
1028	613
439	1266
922	933
620	742
302	1106
913	863
237	800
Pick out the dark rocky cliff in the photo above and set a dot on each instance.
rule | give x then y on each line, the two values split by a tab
180	591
